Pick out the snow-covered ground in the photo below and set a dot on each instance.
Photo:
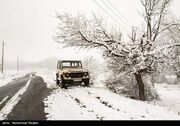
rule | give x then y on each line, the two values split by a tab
97	103
9	76
48	76
170	96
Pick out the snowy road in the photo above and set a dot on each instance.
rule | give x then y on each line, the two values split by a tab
22	99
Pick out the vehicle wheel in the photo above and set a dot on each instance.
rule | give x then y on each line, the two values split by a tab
86	83
57	80
63	84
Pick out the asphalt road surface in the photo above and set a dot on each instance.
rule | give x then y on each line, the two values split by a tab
29	93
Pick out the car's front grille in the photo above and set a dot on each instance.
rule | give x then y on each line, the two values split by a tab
76	75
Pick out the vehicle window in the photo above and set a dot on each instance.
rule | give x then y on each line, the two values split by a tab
71	64
59	65
66	64
80	64
75	64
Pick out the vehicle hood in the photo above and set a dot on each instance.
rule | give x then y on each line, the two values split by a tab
72	70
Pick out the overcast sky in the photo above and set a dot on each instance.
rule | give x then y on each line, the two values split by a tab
27	26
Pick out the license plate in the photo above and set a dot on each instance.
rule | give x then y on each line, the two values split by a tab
76	80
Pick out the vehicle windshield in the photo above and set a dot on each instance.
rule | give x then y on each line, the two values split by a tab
74	64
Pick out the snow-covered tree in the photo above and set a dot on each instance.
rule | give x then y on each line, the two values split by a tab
139	56
174	36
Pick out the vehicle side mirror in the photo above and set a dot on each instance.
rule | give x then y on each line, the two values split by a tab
59	66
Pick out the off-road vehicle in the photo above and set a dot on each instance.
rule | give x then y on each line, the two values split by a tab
71	73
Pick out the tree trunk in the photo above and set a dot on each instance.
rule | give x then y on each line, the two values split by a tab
141	86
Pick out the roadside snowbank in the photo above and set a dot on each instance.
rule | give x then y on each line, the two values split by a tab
49	77
97	103
80	103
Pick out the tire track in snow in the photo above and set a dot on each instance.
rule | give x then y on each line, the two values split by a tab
5	111
4	99
105	103
83	106
108	105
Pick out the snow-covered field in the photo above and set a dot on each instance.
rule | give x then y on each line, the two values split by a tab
170	97
9	76
97	103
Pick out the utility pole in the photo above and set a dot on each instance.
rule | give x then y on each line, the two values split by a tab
17	63
2	62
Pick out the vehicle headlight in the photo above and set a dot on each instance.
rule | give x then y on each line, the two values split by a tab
67	75
86	74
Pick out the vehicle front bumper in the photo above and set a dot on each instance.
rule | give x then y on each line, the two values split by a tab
74	80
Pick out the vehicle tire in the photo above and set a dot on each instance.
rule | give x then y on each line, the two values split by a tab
63	84
86	83
57	80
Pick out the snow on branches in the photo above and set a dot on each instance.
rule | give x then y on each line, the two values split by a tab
138	55
133	56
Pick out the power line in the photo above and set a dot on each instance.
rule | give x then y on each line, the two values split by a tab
105	11
118	11
110	15
114	13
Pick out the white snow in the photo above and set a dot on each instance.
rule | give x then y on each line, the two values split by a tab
97	103
4	99
48	76
5	111
170	96
80	103
8	76
61	107
171	79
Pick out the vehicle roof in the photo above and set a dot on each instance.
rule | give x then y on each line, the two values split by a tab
69	61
